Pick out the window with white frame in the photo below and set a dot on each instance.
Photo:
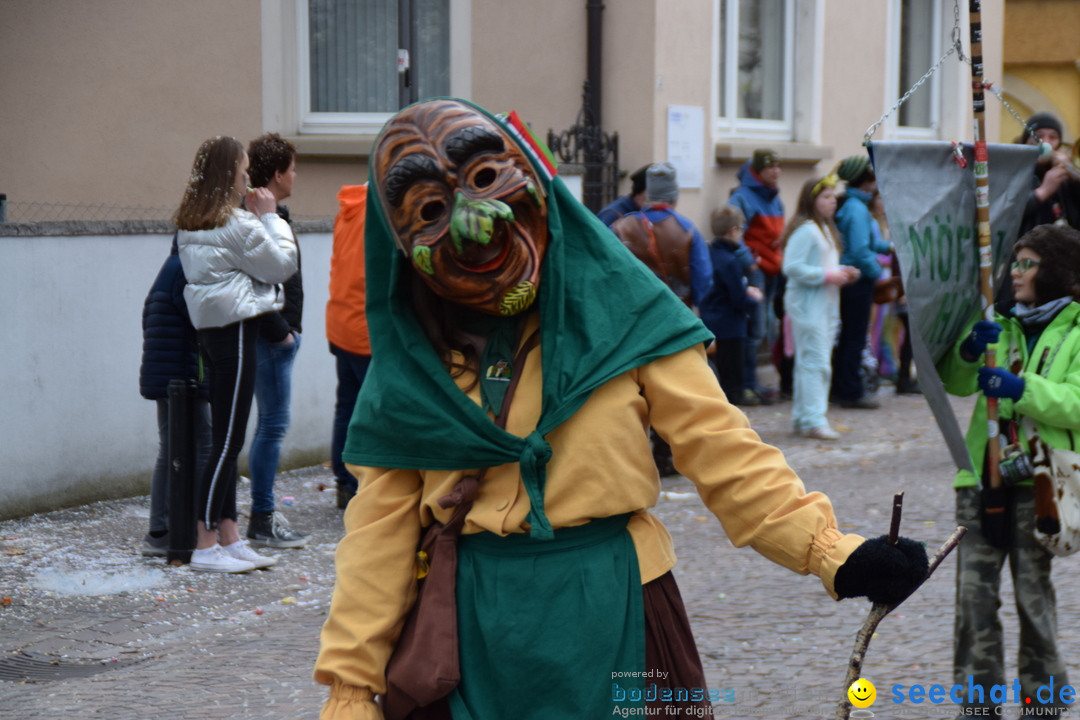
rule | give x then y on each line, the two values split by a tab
917	31
756	67
359	61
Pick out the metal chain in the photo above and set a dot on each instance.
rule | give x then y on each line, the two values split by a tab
873	128
956	47
996	92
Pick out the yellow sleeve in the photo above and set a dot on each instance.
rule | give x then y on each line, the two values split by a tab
347	702
747	484
375	588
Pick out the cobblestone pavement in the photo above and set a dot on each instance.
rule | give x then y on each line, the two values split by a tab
131	637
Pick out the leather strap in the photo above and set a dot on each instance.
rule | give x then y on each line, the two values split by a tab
654	248
462	496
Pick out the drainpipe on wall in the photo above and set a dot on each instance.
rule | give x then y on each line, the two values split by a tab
594	157
3	208
594	59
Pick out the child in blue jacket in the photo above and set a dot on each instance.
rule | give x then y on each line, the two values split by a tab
725	308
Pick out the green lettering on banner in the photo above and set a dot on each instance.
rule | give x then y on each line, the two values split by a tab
922	247
945	256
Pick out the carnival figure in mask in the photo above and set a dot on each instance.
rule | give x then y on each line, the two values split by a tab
515	340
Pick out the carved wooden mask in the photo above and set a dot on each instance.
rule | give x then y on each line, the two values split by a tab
466	205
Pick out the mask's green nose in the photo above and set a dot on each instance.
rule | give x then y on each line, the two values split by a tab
475	220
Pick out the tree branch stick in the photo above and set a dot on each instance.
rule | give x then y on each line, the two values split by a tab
894	526
877	614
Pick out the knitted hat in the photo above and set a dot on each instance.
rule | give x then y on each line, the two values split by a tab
660	183
851	169
637	180
763	158
1040	121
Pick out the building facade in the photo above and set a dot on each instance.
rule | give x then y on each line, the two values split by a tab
105	102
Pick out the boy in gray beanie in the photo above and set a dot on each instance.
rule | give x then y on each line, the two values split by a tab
661	185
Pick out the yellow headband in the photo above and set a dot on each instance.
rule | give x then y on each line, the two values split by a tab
828	181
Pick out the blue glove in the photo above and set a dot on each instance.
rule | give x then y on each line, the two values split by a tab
998	383
985	332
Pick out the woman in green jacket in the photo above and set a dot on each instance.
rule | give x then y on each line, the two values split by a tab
1038	378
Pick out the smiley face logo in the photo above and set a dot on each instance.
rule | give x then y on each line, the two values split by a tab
862	693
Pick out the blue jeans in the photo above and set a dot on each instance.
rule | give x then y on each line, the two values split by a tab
273	389
756	331
351	369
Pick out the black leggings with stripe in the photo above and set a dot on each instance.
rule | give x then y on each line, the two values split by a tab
230	355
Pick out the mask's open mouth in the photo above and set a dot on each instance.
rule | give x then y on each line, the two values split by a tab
481	258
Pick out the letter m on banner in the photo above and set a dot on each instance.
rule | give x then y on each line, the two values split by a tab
930	204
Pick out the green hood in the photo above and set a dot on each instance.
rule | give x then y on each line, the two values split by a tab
602	312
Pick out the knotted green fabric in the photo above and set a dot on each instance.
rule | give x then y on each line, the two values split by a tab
602	312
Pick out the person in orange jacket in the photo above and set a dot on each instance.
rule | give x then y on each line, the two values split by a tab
346	323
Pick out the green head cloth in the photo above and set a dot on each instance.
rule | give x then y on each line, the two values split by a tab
602	312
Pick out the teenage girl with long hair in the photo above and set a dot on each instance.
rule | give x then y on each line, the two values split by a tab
233	260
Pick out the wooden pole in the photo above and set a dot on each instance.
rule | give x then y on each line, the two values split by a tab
982	216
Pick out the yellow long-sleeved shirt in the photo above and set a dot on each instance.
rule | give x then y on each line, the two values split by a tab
601	465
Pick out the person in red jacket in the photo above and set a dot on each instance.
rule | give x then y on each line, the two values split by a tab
346	323
758	196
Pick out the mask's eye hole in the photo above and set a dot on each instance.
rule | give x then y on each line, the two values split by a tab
484	177
432	210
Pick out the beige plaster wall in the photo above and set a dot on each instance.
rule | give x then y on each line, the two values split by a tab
318	180
530	57
630	59
106	102
682	76
854	92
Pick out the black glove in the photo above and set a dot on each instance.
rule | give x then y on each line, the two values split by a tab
882	572
995	516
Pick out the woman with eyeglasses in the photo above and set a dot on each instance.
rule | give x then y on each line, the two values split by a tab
1037	377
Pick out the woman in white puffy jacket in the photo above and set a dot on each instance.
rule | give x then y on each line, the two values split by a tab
234	261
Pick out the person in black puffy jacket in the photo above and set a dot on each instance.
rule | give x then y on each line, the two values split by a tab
170	351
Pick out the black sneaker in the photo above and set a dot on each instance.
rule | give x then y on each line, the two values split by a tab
908	387
271	529
864	403
344	495
154	546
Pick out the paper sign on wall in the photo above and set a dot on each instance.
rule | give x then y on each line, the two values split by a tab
685	144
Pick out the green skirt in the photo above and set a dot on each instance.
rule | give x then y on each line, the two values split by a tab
545	625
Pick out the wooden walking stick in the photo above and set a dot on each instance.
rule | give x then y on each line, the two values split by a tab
982	216
879	610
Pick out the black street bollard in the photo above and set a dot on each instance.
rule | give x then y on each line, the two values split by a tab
181	471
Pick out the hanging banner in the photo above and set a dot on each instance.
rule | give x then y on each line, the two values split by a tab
930	205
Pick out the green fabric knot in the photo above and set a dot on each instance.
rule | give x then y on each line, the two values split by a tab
534	459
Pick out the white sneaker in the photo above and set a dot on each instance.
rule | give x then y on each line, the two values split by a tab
242	551
821	432
215	559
